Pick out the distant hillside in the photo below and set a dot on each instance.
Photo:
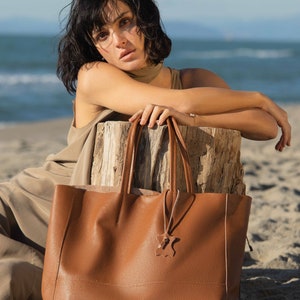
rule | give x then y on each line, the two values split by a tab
278	29
174	28
281	29
180	29
288	29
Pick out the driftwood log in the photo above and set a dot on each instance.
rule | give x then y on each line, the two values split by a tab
214	156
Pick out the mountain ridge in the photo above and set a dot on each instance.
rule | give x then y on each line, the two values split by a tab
237	29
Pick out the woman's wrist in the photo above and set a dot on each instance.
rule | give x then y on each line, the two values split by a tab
197	120
263	102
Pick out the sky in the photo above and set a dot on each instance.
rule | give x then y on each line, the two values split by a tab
192	10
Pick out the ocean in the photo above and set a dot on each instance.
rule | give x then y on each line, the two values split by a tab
30	90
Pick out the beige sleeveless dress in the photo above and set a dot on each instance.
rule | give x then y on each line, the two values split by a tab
25	203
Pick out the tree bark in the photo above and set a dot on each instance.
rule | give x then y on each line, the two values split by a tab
214	155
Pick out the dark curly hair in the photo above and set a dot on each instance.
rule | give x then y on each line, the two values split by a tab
76	47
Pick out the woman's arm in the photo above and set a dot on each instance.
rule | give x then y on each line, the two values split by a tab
101	85
261	119
104	85
254	124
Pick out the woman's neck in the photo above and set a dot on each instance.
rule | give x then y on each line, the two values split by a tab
156	75
147	74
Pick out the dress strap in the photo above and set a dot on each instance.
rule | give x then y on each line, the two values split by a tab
176	83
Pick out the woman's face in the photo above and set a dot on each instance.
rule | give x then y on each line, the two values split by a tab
119	41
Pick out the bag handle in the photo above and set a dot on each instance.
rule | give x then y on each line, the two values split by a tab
176	141
174	132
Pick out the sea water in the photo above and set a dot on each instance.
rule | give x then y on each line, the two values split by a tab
30	90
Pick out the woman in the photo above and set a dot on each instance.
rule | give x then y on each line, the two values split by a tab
125	38
111	55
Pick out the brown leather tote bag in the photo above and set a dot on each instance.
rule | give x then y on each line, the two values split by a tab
126	246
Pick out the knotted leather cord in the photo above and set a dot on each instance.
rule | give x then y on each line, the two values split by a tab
166	240
167	224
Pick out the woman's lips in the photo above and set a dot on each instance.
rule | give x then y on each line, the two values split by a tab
126	54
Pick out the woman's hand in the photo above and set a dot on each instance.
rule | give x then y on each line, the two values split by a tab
281	118
156	114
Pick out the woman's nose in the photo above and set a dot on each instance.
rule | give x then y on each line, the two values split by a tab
119	39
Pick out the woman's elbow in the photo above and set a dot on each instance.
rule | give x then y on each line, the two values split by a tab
270	133
271	127
260	135
273	131
265	127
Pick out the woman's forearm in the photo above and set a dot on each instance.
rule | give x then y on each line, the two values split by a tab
254	124
205	101
216	101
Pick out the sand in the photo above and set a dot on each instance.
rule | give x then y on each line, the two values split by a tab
272	269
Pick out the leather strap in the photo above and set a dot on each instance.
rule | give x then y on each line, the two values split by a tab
176	142
181	145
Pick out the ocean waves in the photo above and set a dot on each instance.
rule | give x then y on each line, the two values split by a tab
238	53
30	89
7	79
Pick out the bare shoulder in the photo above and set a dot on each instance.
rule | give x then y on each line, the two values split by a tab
198	77
100	74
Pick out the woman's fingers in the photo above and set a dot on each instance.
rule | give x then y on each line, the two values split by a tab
146	114
281	117
280	144
286	133
137	115
155	114
152	115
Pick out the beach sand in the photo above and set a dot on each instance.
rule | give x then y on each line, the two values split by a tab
272	269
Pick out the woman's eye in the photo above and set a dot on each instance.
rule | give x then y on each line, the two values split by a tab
102	36
125	22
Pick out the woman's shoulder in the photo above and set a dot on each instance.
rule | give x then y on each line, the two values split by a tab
198	77
99	70
100	76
